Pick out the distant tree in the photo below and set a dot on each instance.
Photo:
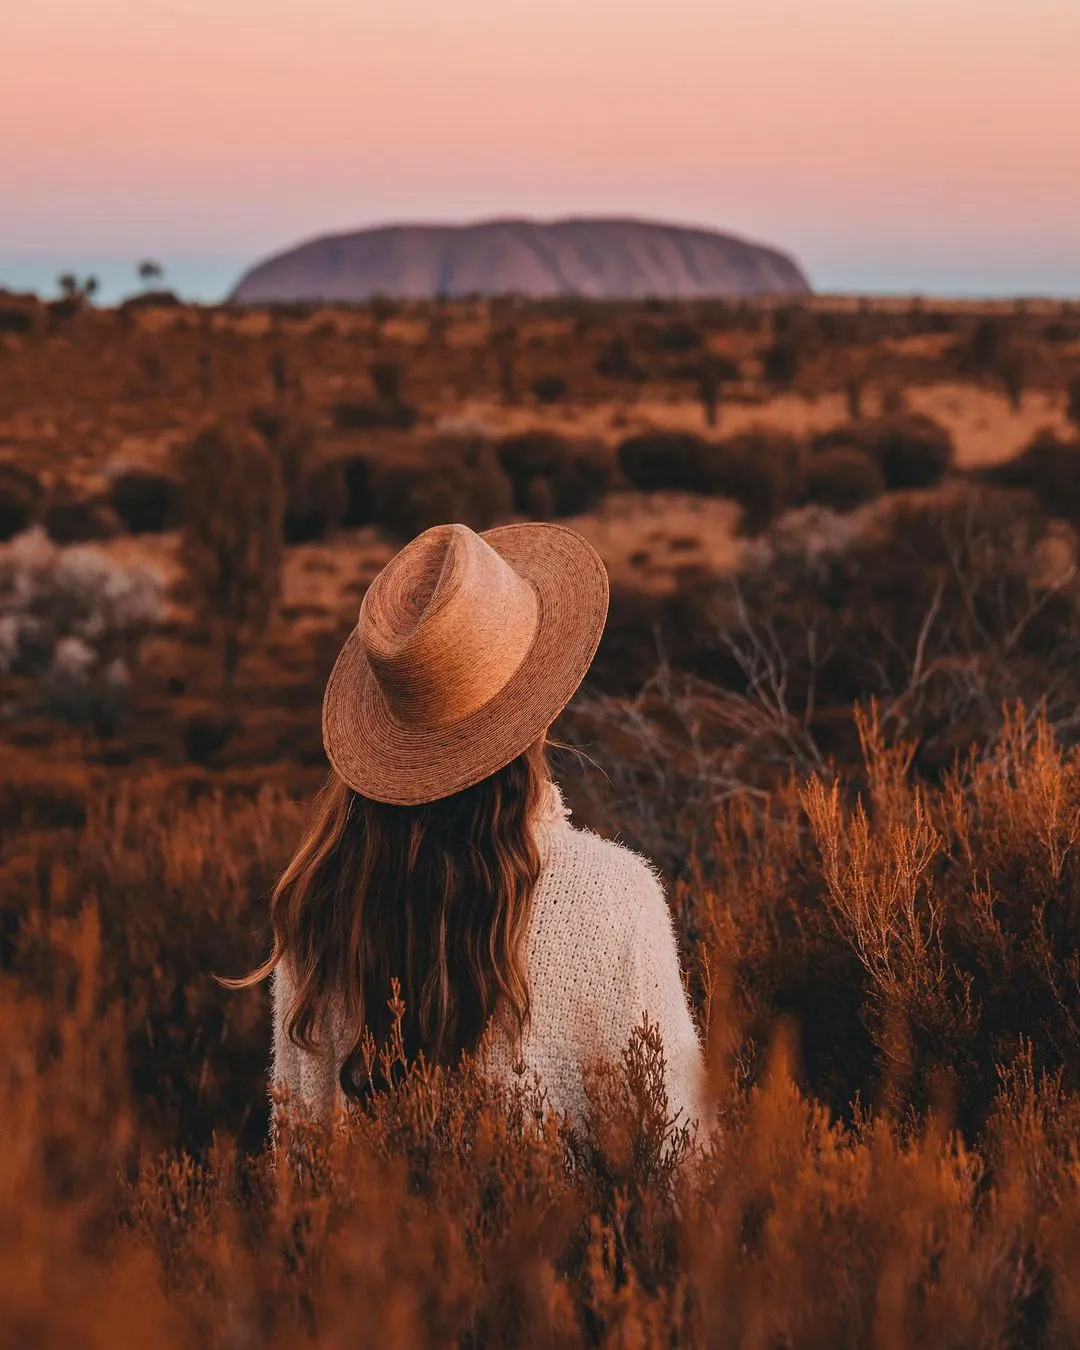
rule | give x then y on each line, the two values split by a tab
279	372
149	272
386	377
205	364
616	362
781	362
984	346
1013	373
80	291
853	397
231	542
503	341
713	372
893	401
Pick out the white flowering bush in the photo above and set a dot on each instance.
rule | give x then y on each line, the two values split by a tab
72	619
806	538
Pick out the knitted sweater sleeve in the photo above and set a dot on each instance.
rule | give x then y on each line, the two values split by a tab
309	1077
657	990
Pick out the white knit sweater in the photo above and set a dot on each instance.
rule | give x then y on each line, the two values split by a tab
601	955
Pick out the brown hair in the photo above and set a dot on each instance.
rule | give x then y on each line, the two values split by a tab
438	896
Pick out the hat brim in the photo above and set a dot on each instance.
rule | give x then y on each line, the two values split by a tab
388	762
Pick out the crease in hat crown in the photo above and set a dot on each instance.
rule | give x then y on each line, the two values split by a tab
445	625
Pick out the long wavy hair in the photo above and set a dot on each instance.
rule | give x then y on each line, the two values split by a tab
437	896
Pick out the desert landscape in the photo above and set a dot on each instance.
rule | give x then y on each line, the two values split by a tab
836	702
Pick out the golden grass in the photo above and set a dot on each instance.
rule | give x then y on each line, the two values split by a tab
927	933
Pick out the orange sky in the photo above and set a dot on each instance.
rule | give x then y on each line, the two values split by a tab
889	144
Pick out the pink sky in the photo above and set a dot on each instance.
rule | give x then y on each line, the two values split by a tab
907	144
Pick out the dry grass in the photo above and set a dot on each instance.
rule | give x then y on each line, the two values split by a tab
908	948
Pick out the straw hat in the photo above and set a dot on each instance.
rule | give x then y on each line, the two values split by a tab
467	648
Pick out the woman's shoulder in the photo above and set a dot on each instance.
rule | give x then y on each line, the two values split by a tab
602	872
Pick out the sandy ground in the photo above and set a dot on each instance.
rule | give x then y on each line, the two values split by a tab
985	427
649	541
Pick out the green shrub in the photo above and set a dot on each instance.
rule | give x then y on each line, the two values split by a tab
666	460
911	450
842	479
549	388
356	476
16	319
72	517
156	299
451	479
760	470
354	414
21	494
146	500
980	351
678	337
782	361
553	475
1048	467
1072	403
386	379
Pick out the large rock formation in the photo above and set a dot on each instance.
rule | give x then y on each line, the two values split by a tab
603	259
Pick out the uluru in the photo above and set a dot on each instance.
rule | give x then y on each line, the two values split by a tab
598	258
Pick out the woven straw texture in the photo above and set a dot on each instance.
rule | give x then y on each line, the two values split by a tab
467	648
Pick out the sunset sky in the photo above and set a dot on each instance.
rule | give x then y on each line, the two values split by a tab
890	145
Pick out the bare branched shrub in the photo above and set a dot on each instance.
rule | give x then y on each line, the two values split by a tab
315	488
232	536
936	607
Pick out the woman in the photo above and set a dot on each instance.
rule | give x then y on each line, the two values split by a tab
440	853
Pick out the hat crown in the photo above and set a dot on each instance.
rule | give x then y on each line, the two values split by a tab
445	625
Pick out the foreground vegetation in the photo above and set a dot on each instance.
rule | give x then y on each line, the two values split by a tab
888	986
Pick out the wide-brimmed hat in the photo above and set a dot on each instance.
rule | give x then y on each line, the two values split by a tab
467	648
